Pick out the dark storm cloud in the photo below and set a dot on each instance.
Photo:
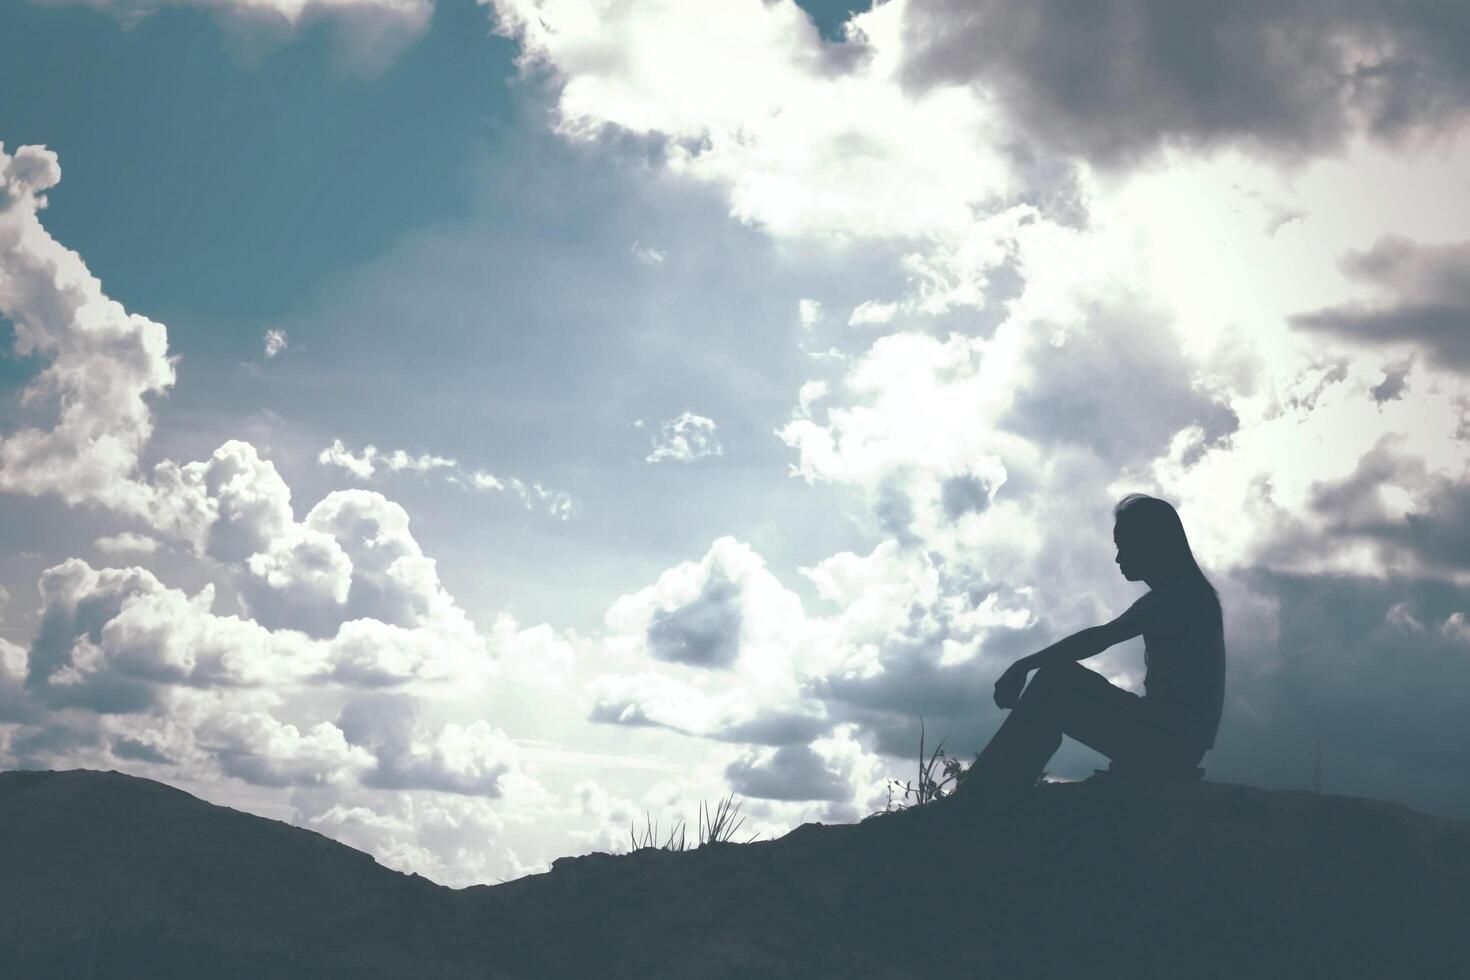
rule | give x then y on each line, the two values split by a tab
1443	330
1430	535
792	772
704	632
964	494
1424	300
52	743
1116	79
776	728
1122	387
1377	668
1435	535
131	748
1391	388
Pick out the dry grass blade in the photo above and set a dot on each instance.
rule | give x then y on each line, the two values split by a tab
716	827
721	826
650	832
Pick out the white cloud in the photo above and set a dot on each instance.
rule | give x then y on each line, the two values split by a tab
454	839
474	759
233	508
685	438
177	683
367	34
352	558
652	699
806	141
127	541
361	465
716	648
392	581
15	704
808	312
871	312
612	818
537	656
717	581
557	503
275	342
811	392
370	461
719	649
262	750
648	255
131	669
103	364
113	640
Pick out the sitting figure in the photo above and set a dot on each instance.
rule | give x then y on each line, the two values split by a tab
1166	731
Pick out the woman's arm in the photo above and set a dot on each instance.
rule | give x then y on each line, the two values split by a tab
1079	646
1093	640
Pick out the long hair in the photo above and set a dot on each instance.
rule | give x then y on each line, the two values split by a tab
1162	533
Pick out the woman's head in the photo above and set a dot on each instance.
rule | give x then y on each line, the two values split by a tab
1151	541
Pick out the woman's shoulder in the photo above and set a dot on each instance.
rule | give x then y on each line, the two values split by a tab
1182	590
1183	601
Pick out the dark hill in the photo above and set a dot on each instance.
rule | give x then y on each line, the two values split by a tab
105	875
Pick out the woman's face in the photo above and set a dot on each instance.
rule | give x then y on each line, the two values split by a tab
1130	560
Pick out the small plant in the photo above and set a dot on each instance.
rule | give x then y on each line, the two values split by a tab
715	827
650	837
720	827
948	770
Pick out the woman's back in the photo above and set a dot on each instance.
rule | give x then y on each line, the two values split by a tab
1184	654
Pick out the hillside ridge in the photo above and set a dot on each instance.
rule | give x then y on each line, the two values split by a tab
119	876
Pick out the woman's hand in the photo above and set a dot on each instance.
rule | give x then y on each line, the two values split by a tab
1008	687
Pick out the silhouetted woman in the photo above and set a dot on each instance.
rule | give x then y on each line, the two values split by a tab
1164	732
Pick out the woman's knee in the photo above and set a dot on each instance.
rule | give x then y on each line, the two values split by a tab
1062	676
1050	685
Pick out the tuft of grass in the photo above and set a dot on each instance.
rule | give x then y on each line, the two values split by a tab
717	826
938	774
650	837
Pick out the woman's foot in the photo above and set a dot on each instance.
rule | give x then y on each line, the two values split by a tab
977	795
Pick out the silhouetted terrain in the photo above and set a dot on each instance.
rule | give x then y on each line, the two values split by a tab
106	875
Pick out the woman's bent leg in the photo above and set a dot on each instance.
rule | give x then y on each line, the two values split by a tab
1029	736
1061	699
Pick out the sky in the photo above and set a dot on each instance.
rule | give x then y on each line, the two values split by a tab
467	428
